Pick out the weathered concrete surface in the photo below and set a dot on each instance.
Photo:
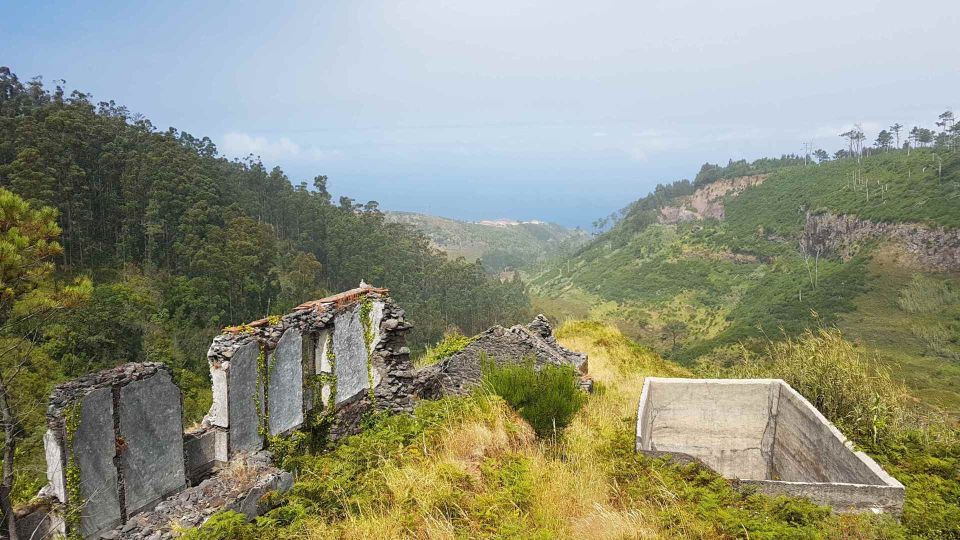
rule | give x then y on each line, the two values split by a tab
285	383
245	400
809	448
763	433
93	449
351	362
376	317
151	455
56	458
323	366
730	438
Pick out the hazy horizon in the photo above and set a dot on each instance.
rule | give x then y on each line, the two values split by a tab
514	110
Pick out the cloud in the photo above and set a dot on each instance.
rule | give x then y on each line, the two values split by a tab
239	145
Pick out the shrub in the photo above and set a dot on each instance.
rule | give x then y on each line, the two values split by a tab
546	398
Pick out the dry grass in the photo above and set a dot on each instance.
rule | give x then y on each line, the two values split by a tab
480	472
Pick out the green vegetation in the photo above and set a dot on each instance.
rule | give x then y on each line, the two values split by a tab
179	242
30	299
546	398
888	187
694	287
470	467
520	245
451	344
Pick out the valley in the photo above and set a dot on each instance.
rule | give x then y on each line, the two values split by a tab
697	272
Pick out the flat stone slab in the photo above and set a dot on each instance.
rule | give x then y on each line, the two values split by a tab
94	447
285	387
244	399
151	425
351	356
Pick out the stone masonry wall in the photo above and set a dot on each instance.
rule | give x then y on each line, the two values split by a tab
114	445
462	371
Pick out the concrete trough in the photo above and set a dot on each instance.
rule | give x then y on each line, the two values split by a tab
762	433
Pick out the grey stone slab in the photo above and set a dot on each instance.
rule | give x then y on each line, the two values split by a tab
151	425
351	356
285	386
203	452
219	414
244	395
93	450
55	453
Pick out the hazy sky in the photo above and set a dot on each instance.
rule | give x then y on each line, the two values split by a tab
554	110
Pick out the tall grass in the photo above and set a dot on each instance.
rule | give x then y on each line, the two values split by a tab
452	343
926	295
472	468
838	377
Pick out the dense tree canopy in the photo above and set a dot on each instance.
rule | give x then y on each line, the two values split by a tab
181	241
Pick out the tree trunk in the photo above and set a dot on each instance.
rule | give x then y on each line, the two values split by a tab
8	419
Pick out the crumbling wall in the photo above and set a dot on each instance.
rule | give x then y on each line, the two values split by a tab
339	357
120	465
462	371
114	445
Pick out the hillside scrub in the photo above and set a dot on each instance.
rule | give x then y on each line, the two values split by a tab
855	392
546	398
471	467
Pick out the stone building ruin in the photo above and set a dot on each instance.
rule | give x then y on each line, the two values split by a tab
120	465
761	433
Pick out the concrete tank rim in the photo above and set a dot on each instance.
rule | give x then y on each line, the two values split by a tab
884	478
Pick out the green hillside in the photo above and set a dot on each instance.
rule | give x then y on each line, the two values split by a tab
527	244
698	287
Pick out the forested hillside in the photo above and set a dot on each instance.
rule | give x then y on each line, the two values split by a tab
499	245
179	242
695	287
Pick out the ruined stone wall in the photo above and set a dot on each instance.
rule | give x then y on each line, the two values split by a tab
114	445
935	248
121	466
461	372
119	463
341	357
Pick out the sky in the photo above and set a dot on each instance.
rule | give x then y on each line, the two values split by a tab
563	110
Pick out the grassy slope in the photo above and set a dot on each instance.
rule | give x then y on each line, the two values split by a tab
720	283
516	245
890	331
470	468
